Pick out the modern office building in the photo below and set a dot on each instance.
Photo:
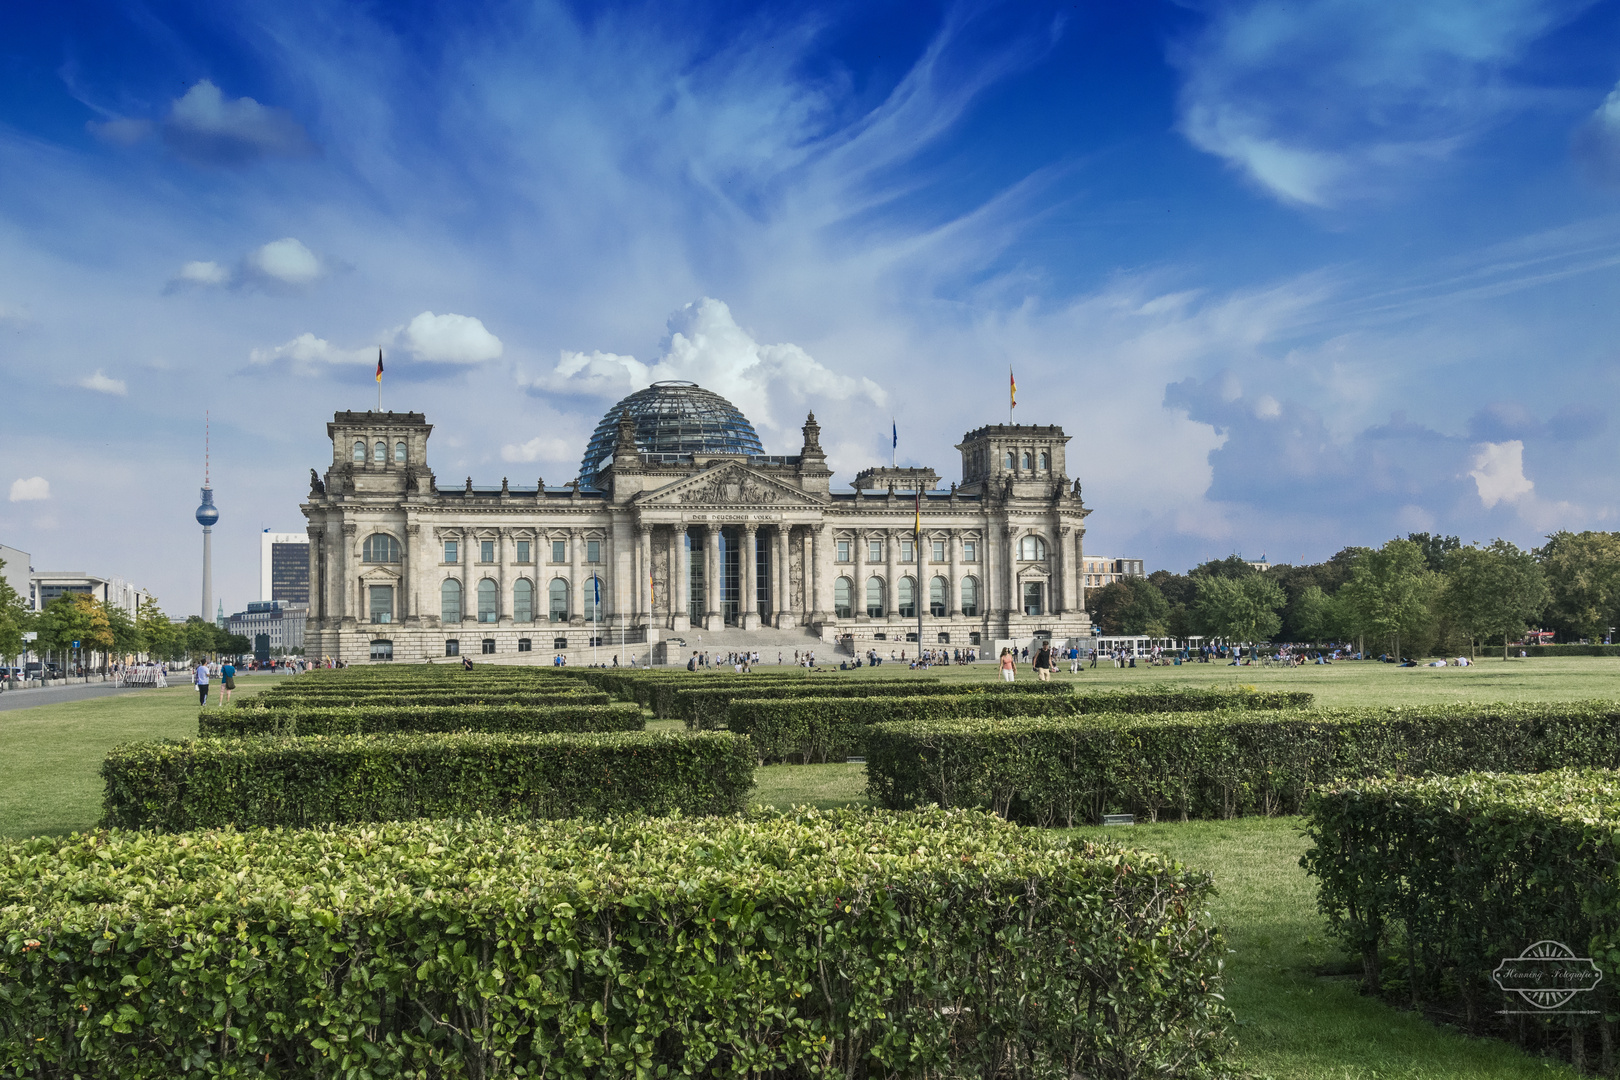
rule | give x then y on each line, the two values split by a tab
679	523
284	567
280	625
45	586
19	565
1100	571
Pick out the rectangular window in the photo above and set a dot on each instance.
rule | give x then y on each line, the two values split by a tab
450	551
525	645
970	551
488	648
843	551
452	647
874	551
939	551
559	643
382	650
523	551
973	637
908	551
382	603
559	551
593	551
486	551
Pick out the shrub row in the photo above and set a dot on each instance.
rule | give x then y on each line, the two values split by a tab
371	719
432	697
656	689
1457	874
1069	770
1566	650
310	780
829	729
703	707
816	945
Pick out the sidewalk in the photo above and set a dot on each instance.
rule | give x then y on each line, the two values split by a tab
70	691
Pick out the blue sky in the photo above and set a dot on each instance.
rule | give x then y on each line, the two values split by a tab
1294	275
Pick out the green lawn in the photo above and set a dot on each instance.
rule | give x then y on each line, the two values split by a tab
1292	1020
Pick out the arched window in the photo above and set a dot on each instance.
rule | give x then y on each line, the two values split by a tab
1027	463
908	598
488	600
595	588
970	596
380	548
874	597
559	600
1046	461
379	453
1031	548
842	600
450	601
1009	463
359	453
938	598
523	601
399	453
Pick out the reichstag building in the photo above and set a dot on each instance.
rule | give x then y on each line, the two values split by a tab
681	532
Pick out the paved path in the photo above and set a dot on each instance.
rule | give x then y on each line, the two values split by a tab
52	695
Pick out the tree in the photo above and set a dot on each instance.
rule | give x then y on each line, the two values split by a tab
1492	590
1180	593
1390	590
126	635
159	636
1233	566
200	638
1239	609
1316	616
1435	548
1583	576
236	645
1129	606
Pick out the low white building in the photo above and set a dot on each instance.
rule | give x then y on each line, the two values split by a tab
46	585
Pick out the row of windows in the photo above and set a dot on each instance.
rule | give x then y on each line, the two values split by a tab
1028	460
379	453
1030	549
383	548
383	649
451	608
906	601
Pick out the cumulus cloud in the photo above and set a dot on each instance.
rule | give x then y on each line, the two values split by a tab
770	384
426	339
547	447
286	262
1498	472
448	339
102	384
1319	103
1597	142
207	128
33	489
200	273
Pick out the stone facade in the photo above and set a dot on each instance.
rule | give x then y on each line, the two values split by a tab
403	569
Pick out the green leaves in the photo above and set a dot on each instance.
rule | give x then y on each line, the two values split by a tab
368	719
806	944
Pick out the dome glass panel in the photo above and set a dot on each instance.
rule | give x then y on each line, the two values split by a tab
674	420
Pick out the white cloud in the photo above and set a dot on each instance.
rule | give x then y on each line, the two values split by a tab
449	339
120	130
286	261
770	384
102	384
1597	143
202	273
33	489
540	447
1498	472
1267	407
207	128
306	352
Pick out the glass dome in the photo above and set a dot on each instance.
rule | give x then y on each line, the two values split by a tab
674	420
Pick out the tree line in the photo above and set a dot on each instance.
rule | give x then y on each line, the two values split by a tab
109	631
1416	595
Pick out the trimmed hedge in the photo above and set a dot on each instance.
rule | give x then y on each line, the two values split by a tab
1566	650
1456	874
1070	770
399	698
826	728
314	780
372	719
813	945
704	707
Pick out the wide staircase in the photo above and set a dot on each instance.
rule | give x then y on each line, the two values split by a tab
678	648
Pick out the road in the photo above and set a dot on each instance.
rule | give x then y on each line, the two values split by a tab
52	695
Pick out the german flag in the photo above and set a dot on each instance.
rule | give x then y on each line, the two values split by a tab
379	365
1010	378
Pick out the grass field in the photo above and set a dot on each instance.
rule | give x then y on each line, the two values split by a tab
1293	1020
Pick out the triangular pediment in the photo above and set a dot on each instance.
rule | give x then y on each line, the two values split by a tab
728	484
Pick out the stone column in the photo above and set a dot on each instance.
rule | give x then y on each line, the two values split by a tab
894	570
749	578
407	605
644	572
503	580
469	593
1065	569
576	582
714	618
857	600
317	597
346	562
680	571
1015	608
783	571
953	599
817	579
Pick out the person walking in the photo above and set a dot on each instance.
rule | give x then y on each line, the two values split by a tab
1043	662
227	682
201	679
1009	666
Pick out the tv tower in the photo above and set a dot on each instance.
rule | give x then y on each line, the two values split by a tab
206	516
